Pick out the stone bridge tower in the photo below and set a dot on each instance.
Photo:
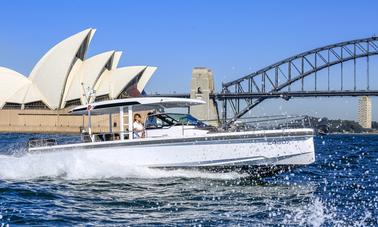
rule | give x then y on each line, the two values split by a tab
202	87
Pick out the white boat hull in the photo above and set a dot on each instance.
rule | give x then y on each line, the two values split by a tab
241	150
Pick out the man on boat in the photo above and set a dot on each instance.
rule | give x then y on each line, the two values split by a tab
138	128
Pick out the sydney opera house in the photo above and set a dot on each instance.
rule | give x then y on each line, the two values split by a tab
62	78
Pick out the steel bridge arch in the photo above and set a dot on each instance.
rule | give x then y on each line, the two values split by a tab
292	70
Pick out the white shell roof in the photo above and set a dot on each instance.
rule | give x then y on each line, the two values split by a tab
146	76
51	72
11	81
86	76
115	82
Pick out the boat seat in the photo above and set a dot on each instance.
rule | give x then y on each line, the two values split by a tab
85	137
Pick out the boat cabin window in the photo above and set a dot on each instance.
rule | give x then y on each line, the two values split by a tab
186	119
156	122
168	120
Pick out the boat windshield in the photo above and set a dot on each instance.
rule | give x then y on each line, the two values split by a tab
168	120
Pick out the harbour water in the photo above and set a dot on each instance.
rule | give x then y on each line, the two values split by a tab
340	188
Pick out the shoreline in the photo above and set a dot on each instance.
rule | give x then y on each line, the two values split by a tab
77	133
354	133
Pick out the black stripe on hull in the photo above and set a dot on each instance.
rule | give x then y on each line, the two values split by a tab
252	172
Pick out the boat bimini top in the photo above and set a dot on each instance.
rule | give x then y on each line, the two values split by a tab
136	104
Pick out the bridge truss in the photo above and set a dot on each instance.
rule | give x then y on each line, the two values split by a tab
290	77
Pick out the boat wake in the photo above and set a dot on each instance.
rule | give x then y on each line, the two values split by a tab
80	165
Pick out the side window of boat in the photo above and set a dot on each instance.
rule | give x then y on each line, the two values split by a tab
150	122
159	123
153	122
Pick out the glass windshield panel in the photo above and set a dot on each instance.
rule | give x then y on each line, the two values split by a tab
168	120
159	121
186	119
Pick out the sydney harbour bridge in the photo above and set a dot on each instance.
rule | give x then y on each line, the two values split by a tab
341	69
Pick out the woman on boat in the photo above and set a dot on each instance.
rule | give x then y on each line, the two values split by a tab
138	128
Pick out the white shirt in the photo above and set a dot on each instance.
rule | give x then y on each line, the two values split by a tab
138	129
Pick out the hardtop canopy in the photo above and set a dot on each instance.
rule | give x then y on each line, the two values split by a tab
138	104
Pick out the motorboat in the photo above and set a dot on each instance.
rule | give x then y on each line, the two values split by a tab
179	140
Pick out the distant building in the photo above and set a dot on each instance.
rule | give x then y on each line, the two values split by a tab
364	112
63	76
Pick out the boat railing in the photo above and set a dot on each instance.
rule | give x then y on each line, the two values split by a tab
273	122
103	136
107	136
38	142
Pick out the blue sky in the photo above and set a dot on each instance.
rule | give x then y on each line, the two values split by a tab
233	38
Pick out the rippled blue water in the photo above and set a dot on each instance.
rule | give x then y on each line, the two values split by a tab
341	188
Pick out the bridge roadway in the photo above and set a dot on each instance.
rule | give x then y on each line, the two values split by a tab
287	95
281	94
170	95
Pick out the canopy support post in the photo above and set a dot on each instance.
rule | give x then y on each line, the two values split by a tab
89	121
121	124
90	125
130	115
110	123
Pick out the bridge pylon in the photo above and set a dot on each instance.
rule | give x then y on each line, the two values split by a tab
202	88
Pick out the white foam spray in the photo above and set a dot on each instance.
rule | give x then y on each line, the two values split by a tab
79	165
319	213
